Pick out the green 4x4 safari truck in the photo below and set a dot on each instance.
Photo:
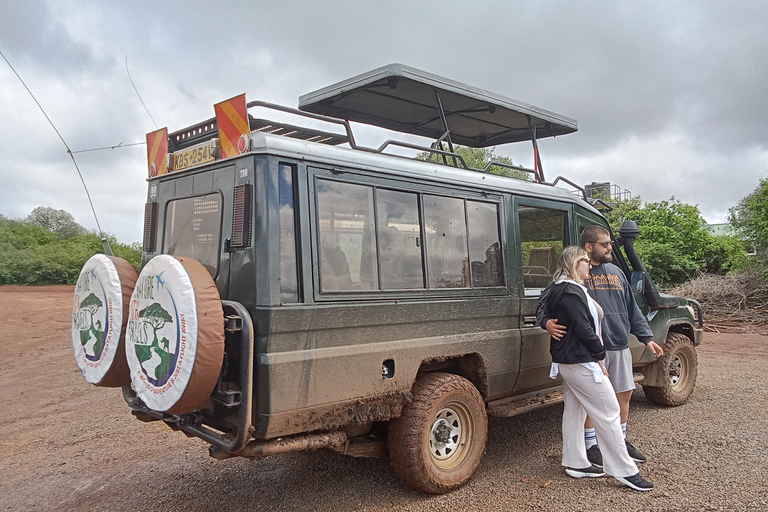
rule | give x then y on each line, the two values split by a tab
300	291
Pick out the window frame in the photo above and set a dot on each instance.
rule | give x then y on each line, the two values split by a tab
219	242
517	250
361	177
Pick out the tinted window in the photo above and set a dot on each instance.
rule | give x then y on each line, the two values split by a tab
347	241
484	244
542	236
193	229
446	235
288	269
399	228
378	239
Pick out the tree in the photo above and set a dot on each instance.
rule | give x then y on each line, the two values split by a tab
674	242
478	158
157	317
30	254
91	304
60	222
750	217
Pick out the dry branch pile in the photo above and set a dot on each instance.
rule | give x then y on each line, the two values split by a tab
736	302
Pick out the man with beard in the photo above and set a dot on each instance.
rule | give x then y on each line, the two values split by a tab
608	285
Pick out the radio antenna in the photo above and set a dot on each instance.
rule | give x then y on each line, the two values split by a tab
104	241
137	92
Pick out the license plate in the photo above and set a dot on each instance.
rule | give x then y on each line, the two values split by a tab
196	155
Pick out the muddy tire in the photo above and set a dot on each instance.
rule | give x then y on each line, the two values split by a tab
99	318
175	335
438	441
680	367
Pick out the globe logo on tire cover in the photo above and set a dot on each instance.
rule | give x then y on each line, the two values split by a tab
160	339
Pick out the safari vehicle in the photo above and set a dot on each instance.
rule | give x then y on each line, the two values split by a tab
299	291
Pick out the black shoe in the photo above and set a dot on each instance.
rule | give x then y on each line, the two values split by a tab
594	456
591	472
634	454
636	482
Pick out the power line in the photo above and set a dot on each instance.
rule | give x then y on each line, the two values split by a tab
69	151
121	145
137	92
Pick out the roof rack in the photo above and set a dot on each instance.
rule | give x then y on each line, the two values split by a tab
409	100
209	129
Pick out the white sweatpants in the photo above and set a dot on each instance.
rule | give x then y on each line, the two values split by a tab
582	396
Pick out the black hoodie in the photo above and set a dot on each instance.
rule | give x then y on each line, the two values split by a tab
568	303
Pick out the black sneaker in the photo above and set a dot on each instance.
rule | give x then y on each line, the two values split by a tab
594	456
634	454
590	472
636	482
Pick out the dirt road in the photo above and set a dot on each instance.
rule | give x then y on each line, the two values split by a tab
67	445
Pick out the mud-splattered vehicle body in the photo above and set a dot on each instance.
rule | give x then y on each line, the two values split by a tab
358	300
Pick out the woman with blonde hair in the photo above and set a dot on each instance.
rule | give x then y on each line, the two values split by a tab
579	359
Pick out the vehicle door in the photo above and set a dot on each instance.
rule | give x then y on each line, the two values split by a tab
543	232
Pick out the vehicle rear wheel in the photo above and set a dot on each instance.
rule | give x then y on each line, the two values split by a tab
680	368
438	441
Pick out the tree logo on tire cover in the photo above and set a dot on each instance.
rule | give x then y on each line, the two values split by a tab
153	331
89	315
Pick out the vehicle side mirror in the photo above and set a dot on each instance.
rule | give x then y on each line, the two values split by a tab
638	282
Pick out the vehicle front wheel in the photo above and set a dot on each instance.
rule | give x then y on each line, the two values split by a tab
438	441
679	367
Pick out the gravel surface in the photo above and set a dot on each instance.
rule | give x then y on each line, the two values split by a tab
68	445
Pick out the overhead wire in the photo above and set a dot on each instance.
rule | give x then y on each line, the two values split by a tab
69	151
137	93
121	145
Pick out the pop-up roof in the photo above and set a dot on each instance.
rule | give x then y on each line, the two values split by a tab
408	100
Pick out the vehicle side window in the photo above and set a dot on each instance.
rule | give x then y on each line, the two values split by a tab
484	244
399	228
446	234
375	239
542	237
287	220
347	241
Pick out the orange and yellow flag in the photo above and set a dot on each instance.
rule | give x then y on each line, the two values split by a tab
157	151
234	130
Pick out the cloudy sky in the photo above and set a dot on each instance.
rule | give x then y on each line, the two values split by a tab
671	98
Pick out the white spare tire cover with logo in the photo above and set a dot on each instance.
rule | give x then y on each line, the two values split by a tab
175	334
99	315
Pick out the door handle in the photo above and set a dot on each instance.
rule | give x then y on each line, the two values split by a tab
530	321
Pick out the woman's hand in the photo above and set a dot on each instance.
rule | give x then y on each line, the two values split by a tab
605	370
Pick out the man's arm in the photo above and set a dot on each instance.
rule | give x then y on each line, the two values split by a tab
638	325
554	329
580	323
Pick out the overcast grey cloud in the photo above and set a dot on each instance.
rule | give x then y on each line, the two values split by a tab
669	96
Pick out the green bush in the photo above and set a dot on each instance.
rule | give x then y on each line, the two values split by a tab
674	243
31	255
726	254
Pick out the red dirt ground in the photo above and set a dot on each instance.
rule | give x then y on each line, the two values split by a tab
71	440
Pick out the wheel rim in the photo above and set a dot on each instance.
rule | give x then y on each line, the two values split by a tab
678	371
448	435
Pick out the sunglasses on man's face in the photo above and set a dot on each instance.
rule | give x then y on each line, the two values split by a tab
604	244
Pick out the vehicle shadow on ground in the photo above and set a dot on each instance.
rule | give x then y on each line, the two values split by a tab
319	480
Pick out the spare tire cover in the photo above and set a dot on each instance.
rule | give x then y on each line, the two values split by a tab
99	315
175	334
